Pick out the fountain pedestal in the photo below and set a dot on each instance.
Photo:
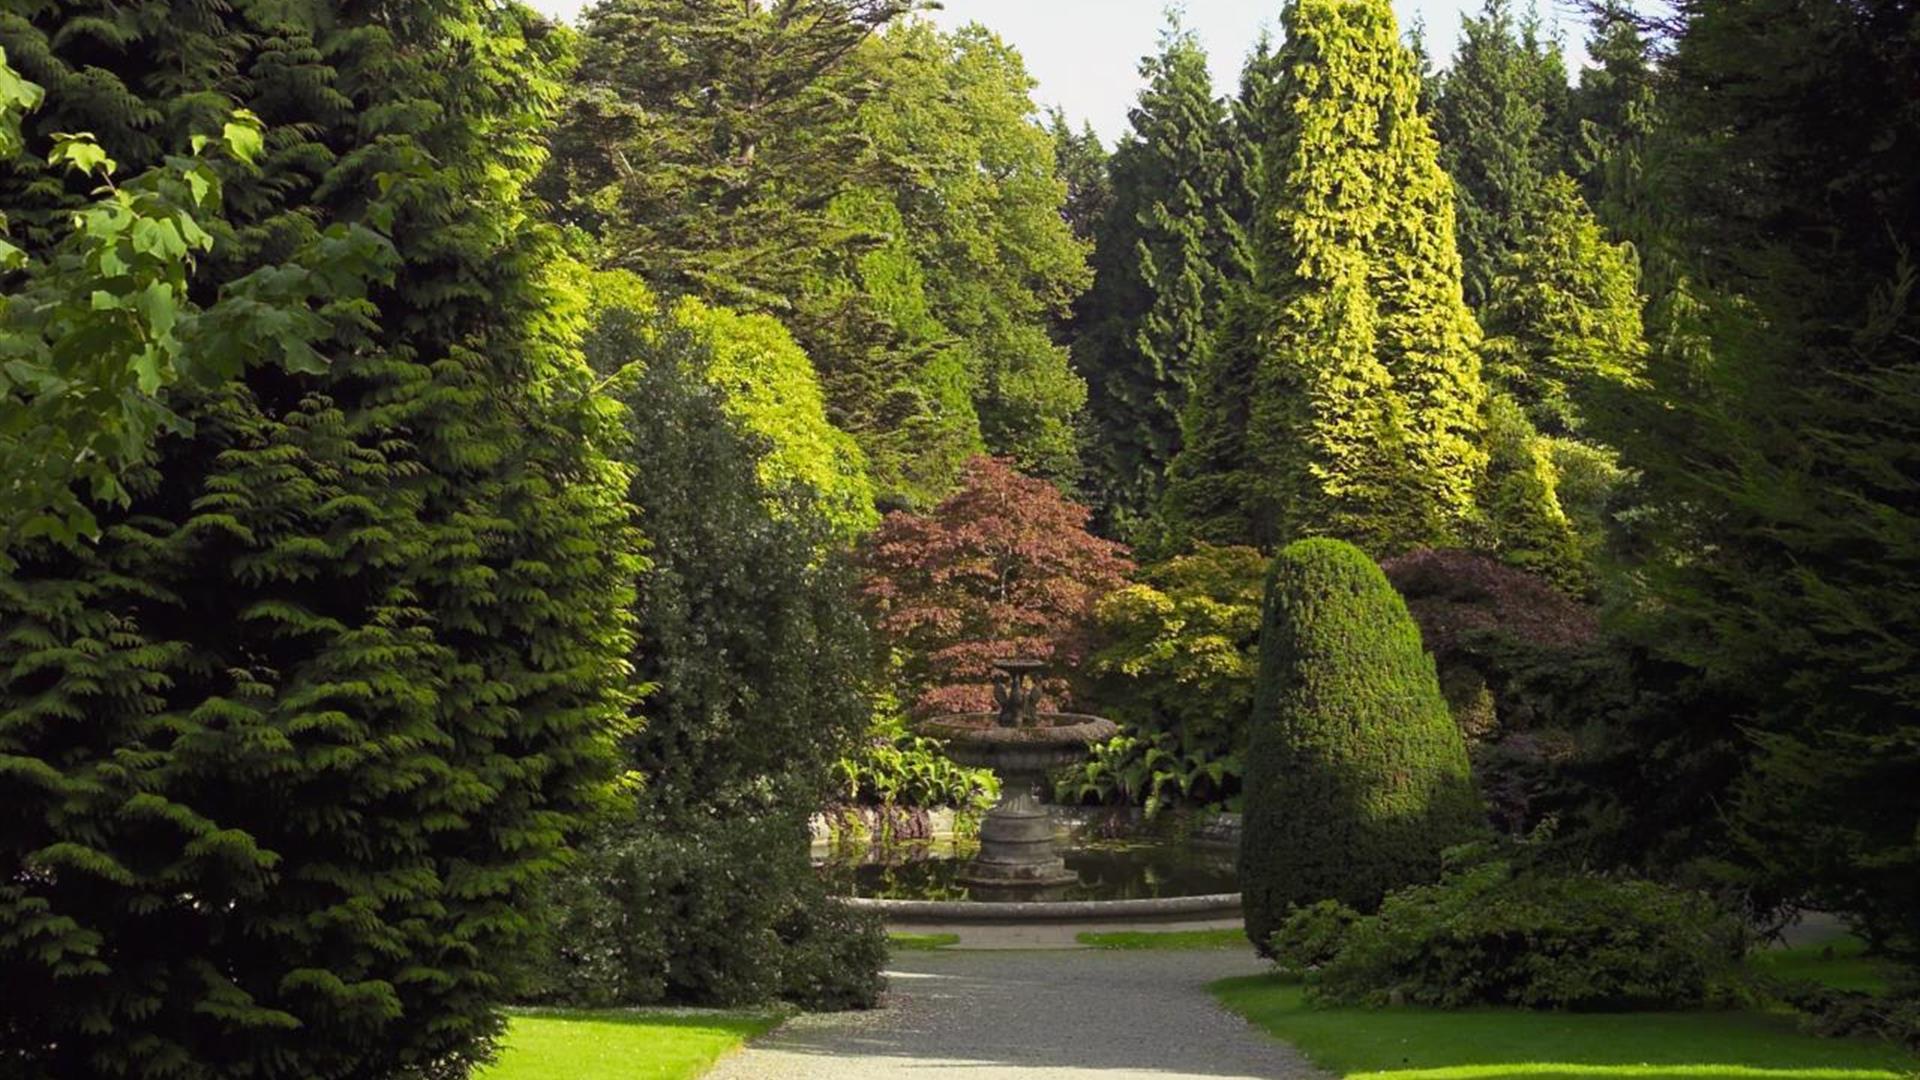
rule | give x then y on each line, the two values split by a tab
1019	858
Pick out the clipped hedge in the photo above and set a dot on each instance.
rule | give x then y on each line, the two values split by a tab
1357	777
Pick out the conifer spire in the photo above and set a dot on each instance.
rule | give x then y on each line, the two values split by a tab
1344	394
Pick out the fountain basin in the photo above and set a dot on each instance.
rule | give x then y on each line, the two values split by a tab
1018	858
1118	882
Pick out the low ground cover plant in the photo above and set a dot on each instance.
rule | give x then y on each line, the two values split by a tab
1499	933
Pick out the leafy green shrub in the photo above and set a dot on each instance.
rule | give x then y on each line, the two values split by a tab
762	677
1157	772
287	749
1357	777
834	955
1173	663
901	769
1312	936
722	913
1852	1013
1492	934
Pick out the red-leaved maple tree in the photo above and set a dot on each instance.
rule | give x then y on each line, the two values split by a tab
1005	567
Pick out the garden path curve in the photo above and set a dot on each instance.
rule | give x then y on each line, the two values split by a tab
1074	1015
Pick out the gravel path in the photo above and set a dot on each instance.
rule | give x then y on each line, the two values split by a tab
1029	1015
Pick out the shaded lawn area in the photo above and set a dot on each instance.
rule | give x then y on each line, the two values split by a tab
1841	963
1485	1044
1166	939
570	1045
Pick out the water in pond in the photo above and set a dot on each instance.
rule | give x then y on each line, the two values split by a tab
1109	870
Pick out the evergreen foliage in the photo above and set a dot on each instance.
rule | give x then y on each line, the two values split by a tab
1357	778
1497	140
288	750
1343	397
1591	943
1082	163
1614	110
983	219
1002	568
890	197
1776	508
1168	254
759	670
1563	320
693	127
1564	341
1526	525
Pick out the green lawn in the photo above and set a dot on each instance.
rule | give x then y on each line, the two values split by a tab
921	942
1167	939
1841	963
1484	1044
568	1045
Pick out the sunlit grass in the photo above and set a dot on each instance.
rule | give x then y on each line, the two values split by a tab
1166	939
902	942
1507	1044
569	1045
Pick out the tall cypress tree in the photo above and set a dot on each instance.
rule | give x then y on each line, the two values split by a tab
1081	163
1563	318
1614	114
1343	396
1495	138
1166	259
1564	344
290	746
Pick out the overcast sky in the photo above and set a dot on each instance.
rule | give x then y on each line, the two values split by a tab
1085	53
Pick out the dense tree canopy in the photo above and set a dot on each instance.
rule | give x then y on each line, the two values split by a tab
1779	515
758	668
1343	394
882	188
291	745
1166	257
1500	115
470	489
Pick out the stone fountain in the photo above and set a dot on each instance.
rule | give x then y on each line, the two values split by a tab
1019	859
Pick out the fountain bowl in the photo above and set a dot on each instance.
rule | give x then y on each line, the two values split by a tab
1019	859
978	740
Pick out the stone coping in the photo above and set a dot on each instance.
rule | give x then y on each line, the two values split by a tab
980	729
1103	911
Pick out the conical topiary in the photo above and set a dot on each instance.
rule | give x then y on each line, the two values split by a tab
1357	777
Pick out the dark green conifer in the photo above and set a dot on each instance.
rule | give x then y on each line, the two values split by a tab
1499	117
1165	261
289	749
1357	777
1082	163
1562	319
1613	115
1777	471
